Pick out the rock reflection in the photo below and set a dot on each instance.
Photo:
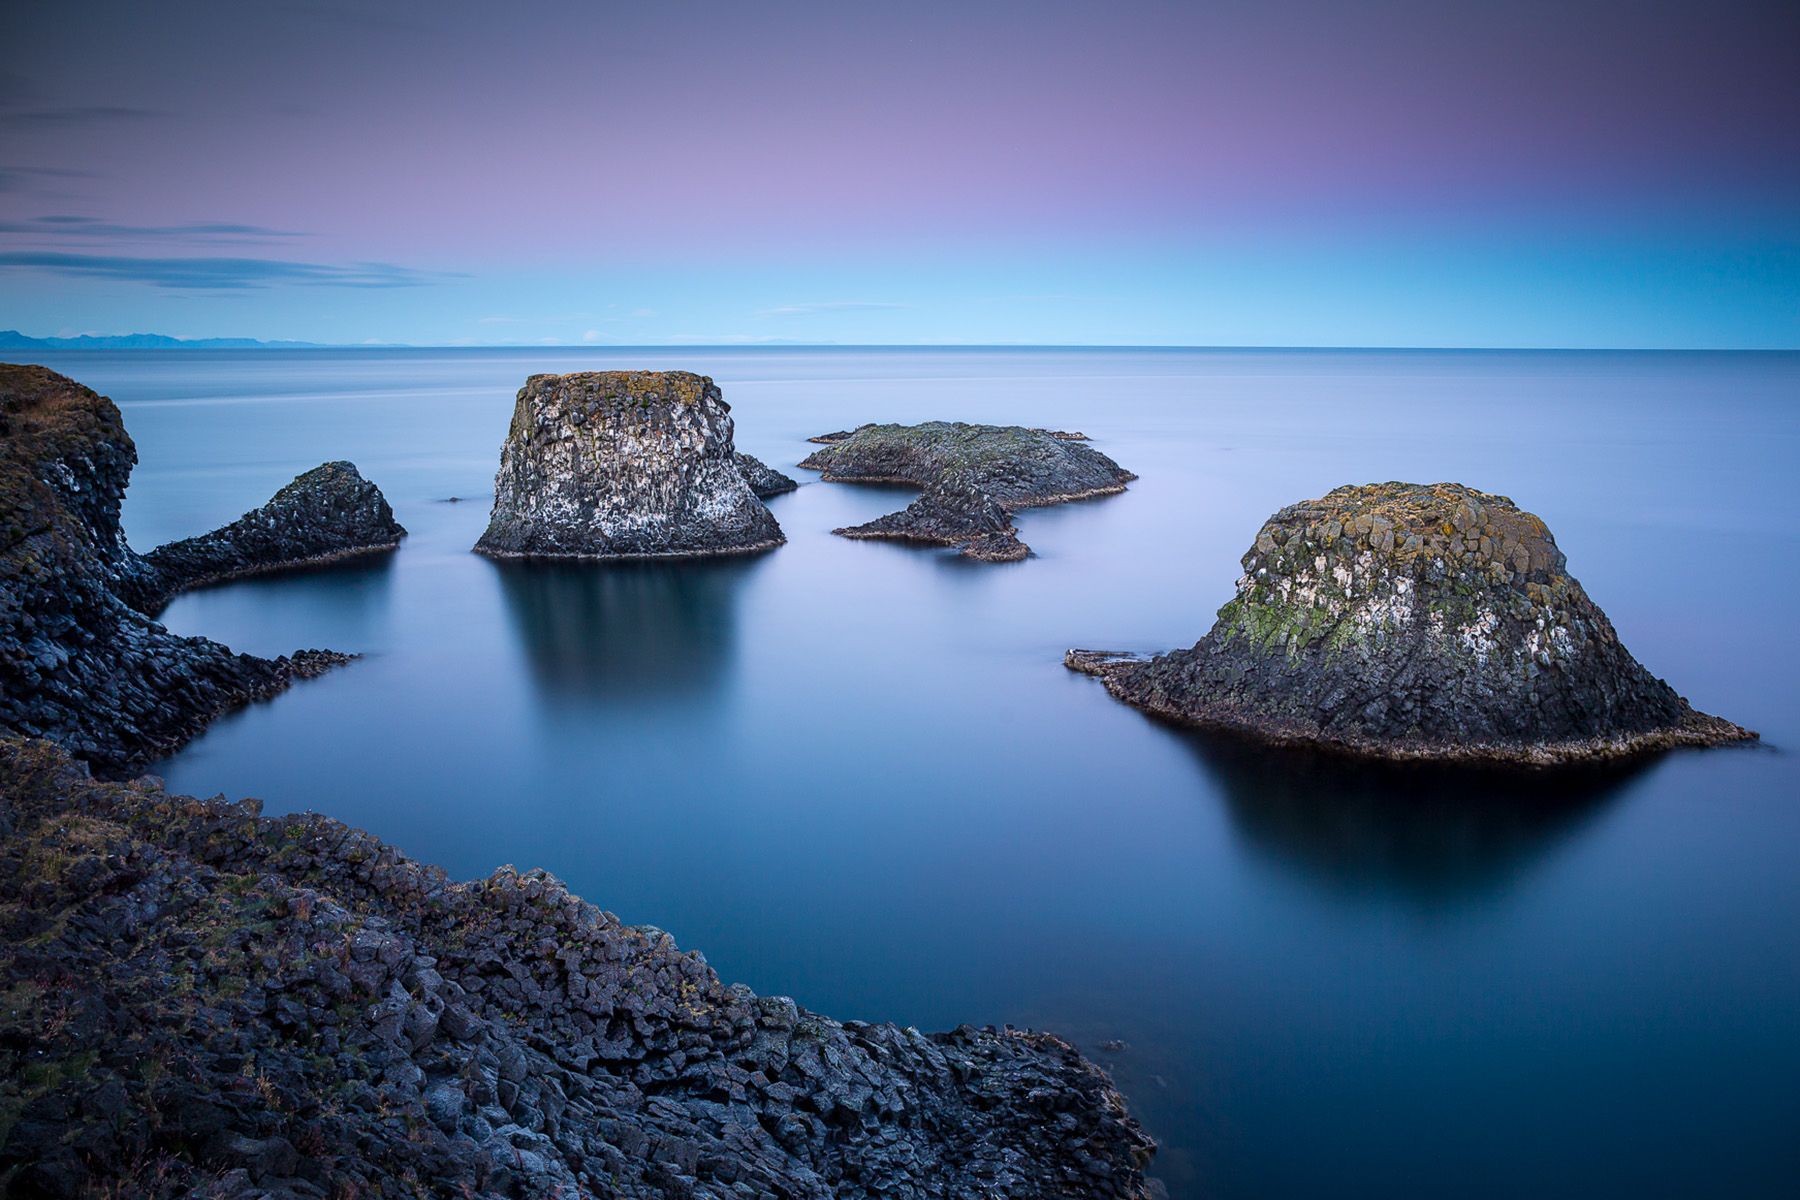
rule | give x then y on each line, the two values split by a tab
630	631
1426	833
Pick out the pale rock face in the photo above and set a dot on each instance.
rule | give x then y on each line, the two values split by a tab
623	464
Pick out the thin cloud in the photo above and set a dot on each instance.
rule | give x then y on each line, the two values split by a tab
217	274
93	227
84	114
828	306
20	179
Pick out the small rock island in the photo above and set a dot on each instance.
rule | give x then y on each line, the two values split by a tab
1409	621
326	515
624	464
974	477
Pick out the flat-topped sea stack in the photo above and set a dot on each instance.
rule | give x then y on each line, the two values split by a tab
328	514
623	464
974	477
1409	621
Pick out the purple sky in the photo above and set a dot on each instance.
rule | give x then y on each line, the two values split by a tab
1254	173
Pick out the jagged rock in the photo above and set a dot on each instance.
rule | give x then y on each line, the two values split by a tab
974	477
238	1000
1414	621
763	479
78	663
328	514
623	464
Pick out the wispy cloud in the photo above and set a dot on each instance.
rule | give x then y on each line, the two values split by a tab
828	306
23	179
69	227
75	115
217	274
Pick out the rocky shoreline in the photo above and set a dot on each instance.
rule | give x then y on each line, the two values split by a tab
1406	621
972	479
198	1000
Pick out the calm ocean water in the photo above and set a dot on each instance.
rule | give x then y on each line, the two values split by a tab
857	773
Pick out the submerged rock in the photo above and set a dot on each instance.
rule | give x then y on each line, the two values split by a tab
623	464
1414	621
325	515
286	1007
763	479
78	662
974	477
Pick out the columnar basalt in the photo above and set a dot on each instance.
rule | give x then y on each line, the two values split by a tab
765	481
623	464
326	515
973	478
78	662
1414	621
201	1001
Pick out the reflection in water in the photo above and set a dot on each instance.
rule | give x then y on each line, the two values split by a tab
626	630
1427	832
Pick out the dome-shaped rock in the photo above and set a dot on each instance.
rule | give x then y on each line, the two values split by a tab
1414	621
623	464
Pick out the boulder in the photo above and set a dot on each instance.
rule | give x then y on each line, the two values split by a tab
623	464
1410	621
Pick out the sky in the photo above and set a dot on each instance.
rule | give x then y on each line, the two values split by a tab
1314	172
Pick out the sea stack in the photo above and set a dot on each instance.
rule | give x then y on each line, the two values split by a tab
623	464
328	514
973	478
1414	621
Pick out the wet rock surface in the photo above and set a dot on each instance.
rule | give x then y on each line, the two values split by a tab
78	662
973	478
1414	621
764	480
197	1000
623	464
328	514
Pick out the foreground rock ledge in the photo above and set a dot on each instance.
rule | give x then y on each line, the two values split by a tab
624	464
80	662
326	515
974	477
1411	621
199	997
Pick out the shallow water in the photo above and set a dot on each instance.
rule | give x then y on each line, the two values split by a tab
857	773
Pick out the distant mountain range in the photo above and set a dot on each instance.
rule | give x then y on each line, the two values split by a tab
12	339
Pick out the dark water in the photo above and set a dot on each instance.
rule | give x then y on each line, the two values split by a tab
858	774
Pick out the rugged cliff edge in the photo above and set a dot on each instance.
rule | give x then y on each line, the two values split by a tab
623	464
196	997
78	663
974	477
1414	621
325	515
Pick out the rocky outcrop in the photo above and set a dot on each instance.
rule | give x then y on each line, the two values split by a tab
623	464
1411	621
193	996
329	514
974	477
77	662
765	481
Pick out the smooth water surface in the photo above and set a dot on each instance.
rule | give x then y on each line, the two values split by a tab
857	772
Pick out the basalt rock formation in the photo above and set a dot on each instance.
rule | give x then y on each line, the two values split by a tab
1411	621
763	479
974	477
196	1000
326	515
623	464
78	662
